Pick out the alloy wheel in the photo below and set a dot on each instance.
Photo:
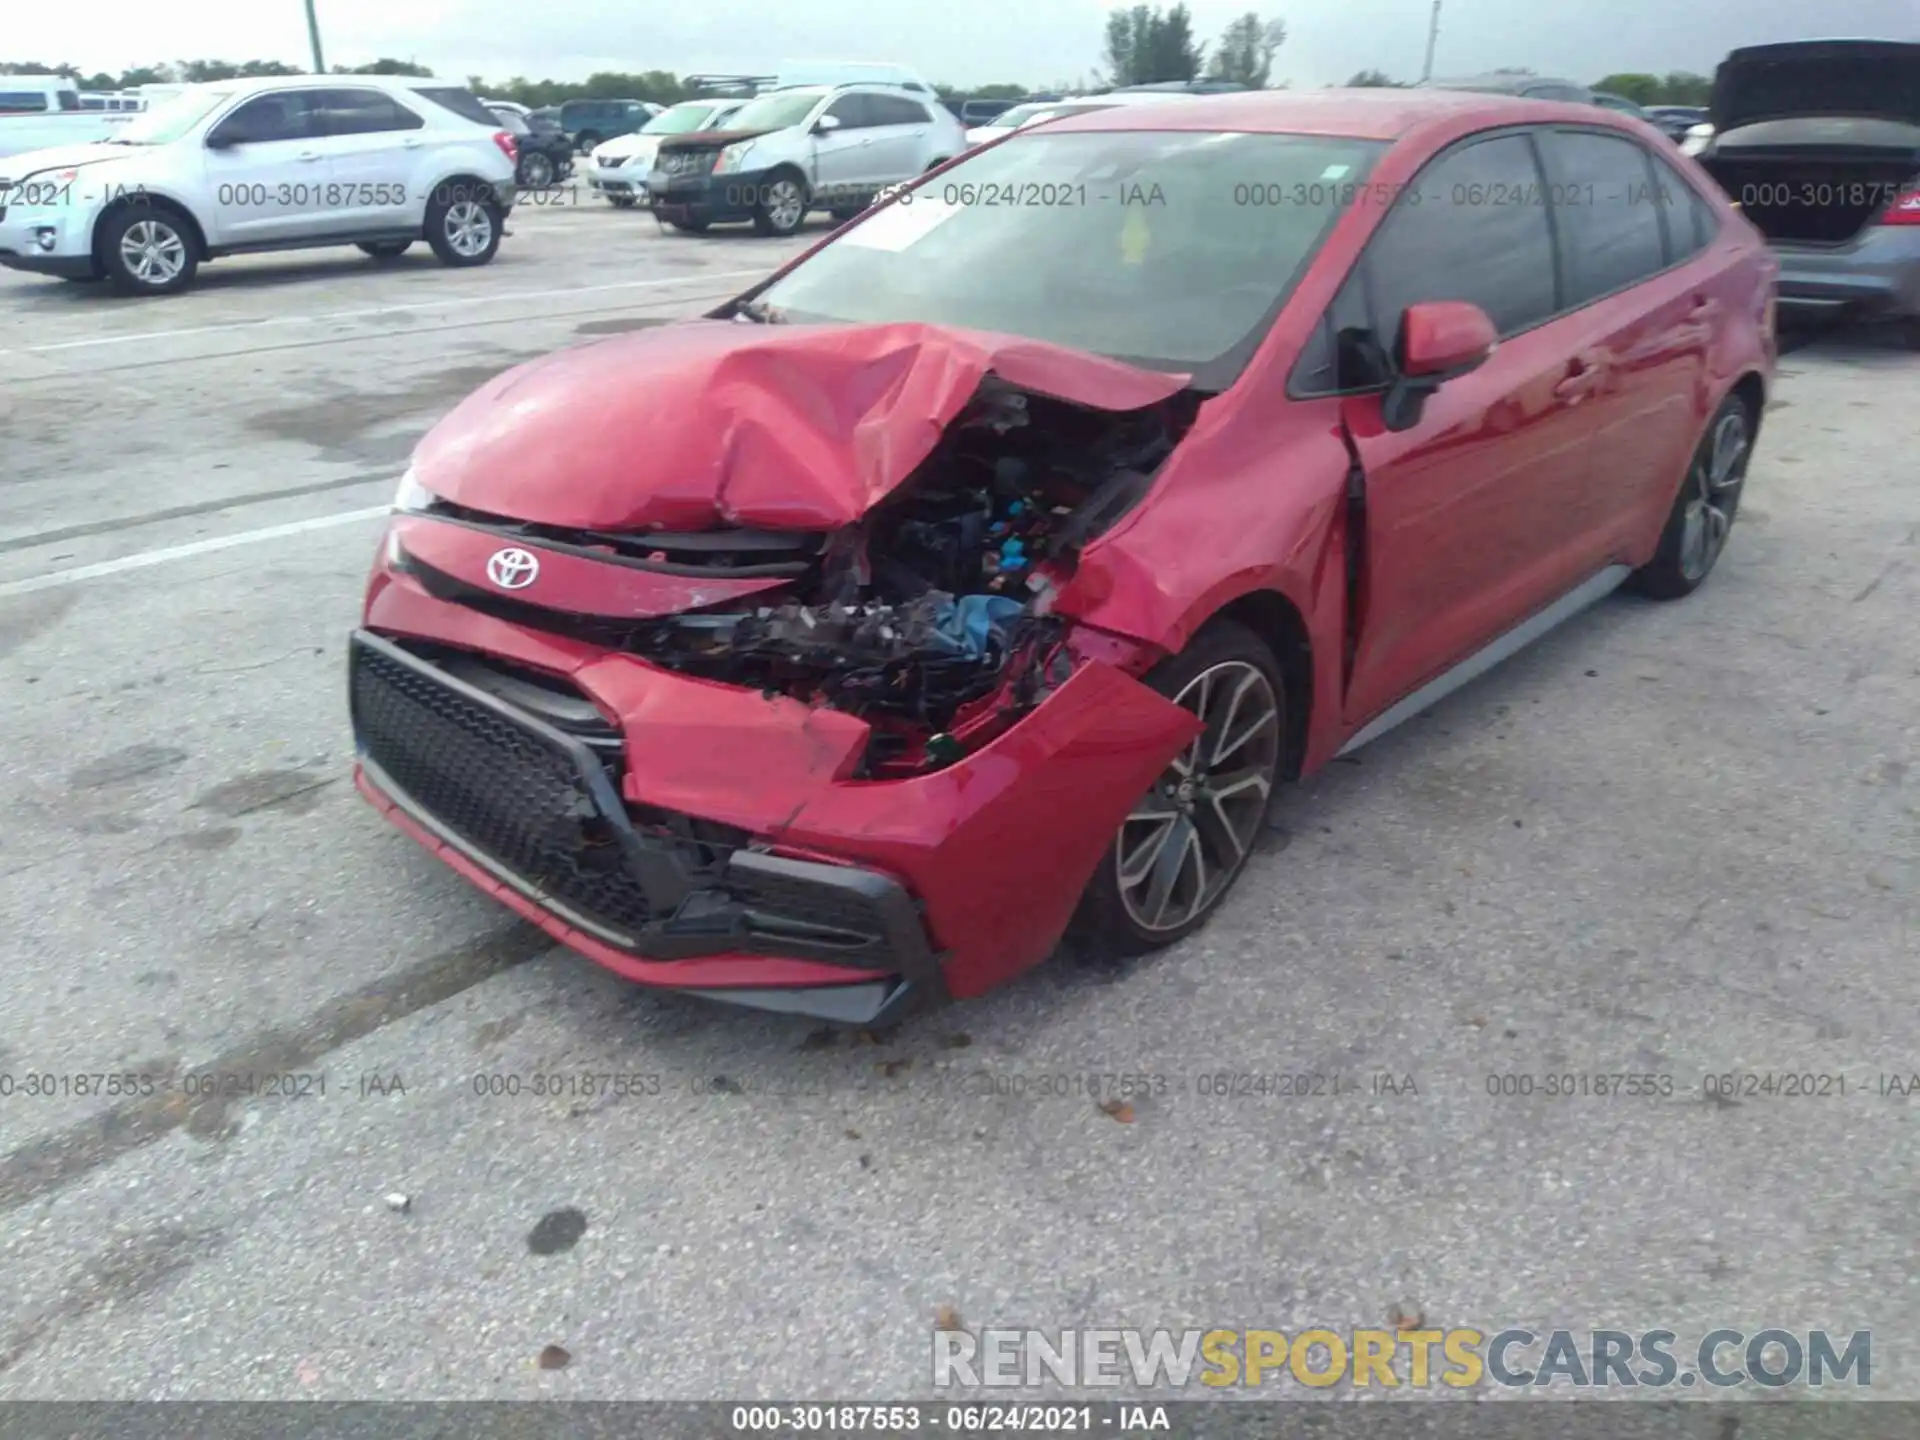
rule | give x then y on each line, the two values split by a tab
469	227
153	252
1182	845
539	171
786	206
1714	494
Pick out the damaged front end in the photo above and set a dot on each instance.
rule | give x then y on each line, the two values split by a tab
929	617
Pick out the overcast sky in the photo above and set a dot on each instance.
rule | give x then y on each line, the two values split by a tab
971	42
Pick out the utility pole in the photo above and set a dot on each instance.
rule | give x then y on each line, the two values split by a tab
1426	74
320	64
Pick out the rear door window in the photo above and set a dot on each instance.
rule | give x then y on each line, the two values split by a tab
1472	227
897	110
1608	209
22	102
362	112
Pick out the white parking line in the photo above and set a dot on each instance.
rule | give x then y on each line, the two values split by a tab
374	314
185	552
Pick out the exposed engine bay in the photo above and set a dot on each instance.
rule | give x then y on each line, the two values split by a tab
930	617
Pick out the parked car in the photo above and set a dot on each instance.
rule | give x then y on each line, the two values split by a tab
546	151
986	569
1526	87
1181	87
591	121
1620	105
793	151
977	112
38	112
1676	120
277	163
618	168
1038	112
1818	142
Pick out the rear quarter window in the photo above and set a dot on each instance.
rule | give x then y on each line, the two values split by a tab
463	103
22	102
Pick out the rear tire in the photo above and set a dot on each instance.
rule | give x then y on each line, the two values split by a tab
536	170
148	250
586	140
1180	851
1703	512
463	223
620	202
386	249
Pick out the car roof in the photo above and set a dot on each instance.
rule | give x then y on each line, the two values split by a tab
246	85
1360	113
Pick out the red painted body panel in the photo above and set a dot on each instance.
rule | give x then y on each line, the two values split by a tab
783	427
1511	488
572	583
998	846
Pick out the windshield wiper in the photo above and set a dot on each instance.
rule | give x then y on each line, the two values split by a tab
759	312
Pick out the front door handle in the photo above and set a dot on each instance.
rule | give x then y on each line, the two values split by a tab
1584	376
307	156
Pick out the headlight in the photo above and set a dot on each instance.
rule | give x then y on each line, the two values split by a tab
412	496
1696	139
733	157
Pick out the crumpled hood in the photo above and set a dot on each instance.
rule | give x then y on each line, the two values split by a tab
63	157
1865	79
719	422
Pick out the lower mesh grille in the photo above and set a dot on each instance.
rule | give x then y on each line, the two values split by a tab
505	790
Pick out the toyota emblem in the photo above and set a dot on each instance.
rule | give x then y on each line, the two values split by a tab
513	569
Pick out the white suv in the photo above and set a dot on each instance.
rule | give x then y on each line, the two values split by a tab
264	164
799	149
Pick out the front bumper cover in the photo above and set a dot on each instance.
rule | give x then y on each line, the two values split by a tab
945	884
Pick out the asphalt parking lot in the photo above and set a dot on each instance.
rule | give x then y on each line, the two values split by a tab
1675	840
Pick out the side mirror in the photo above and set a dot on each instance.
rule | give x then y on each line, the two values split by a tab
826	125
1440	340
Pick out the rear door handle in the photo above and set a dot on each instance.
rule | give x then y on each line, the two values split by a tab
412	143
1704	308
307	156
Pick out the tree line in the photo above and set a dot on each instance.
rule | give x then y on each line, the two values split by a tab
1145	45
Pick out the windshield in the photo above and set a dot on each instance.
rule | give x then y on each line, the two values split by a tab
171	119
678	120
1163	248
1045	110
776	111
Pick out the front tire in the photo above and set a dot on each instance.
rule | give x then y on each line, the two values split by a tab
620	202
1702	515
584	142
782	206
463	223
1184	844
146	250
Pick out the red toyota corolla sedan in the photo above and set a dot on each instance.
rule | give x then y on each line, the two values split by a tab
985	570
